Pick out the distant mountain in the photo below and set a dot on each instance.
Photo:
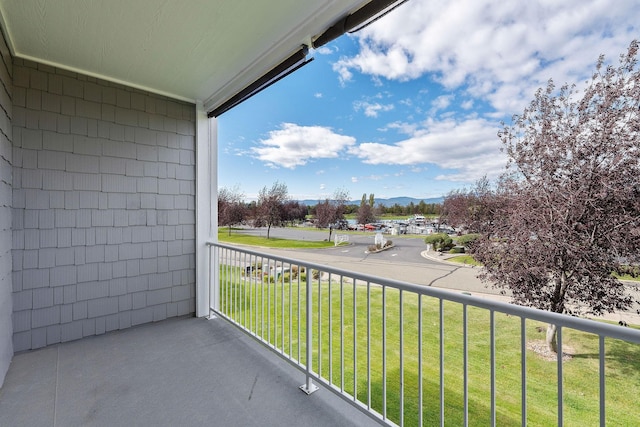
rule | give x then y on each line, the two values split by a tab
402	201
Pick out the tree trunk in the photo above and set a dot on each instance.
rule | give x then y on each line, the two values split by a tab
268	230
551	338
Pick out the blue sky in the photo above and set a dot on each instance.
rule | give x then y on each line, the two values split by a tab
411	105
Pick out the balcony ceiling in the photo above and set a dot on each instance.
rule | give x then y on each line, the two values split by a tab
204	50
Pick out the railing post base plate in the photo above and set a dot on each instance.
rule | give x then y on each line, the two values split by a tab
308	388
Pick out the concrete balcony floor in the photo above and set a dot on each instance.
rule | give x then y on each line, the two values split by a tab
178	372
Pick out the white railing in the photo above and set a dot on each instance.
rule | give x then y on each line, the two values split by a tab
415	355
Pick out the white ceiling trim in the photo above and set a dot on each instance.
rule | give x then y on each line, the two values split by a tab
107	78
253	71
199	50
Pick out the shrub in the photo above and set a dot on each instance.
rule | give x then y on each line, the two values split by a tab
288	277
378	246
457	250
468	239
440	241
268	278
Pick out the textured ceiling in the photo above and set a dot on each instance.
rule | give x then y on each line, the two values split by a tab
188	49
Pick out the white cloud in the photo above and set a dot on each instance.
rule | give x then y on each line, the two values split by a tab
469	149
441	103
467	105
375	177
293	145
354	179
324	50
322	187
371	109
403	127
318	95
499	51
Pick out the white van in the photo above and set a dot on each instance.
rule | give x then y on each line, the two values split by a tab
419	219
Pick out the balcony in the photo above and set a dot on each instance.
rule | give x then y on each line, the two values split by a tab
378	351
178	372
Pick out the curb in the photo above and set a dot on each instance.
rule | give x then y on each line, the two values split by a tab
443	259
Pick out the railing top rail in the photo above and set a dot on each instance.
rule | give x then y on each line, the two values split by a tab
587	325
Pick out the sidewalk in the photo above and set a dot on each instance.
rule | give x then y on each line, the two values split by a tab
628	317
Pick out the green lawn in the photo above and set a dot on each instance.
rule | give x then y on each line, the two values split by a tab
251	240
464	259
270	307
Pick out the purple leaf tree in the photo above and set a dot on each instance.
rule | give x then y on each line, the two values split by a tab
569	211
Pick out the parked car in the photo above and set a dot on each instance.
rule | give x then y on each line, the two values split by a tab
341	224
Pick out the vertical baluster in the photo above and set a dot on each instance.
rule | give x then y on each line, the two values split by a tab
401	342
355	345
369	345
319	322
384	352
330	320
601	352
465	363
341	335
560	379
441	362
492	344
420	380
309	387
523	367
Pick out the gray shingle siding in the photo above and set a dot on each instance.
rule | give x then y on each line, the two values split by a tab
100	197
22	300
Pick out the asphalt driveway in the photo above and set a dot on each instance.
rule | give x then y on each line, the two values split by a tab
408	260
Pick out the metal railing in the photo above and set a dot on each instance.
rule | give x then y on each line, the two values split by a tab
415	355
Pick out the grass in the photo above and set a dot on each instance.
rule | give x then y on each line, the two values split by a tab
632	277
352	332
272	242
464	259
